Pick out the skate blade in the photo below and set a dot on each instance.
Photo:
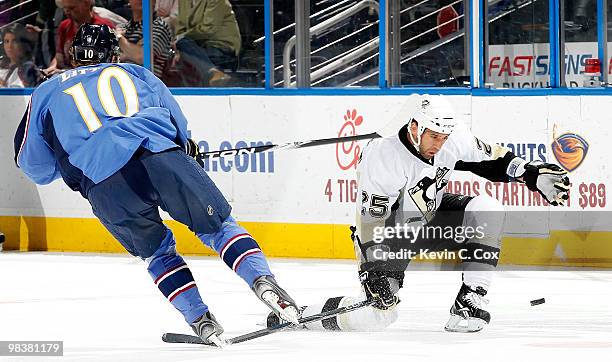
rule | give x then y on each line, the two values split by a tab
219	342
289	313
464	325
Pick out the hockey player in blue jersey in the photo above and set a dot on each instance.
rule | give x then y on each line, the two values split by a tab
115	134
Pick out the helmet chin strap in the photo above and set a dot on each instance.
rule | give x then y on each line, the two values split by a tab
416	142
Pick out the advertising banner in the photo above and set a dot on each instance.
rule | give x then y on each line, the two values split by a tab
528	65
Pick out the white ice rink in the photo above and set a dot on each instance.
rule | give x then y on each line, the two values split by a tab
106	308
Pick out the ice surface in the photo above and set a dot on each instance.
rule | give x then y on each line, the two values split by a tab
106	308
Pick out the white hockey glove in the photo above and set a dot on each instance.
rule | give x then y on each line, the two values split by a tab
549	180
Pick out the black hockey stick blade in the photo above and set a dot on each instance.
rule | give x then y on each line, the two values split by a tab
187	338
285	146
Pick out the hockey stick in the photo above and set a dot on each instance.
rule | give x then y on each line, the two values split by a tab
187	338
284	146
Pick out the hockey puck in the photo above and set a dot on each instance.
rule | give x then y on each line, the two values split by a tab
537	301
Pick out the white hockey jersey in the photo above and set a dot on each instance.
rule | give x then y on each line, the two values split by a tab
393	175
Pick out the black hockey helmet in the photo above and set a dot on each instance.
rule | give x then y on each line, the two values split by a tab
94	44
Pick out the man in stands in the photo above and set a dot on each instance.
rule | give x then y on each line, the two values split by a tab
208	37
78	12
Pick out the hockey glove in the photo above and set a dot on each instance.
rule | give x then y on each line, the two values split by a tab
549	180
191	148
382	286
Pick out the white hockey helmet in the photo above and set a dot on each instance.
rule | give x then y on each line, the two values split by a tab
436	114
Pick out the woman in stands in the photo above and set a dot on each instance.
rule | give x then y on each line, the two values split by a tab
17	70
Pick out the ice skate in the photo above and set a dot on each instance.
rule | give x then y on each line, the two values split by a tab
274	320
467	314
208	329
275	297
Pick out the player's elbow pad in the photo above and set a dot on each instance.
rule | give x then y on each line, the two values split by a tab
516	168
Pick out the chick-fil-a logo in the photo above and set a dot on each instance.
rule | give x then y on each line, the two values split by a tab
347	153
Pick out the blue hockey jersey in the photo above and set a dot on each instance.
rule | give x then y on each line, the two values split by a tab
90	120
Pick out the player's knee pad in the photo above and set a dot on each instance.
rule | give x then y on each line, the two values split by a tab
363	319
166	247
486	217
484	203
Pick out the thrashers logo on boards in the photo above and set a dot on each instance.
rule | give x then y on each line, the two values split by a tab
570	150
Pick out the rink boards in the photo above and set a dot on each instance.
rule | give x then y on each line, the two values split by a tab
299	203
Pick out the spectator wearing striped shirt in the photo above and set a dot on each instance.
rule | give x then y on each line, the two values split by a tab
131	39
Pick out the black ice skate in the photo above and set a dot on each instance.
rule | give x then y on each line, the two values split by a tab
467	314
208	329
266	289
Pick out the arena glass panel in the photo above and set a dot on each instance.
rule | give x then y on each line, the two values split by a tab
517	48
433	44
283	26
213	54
578	41
343	43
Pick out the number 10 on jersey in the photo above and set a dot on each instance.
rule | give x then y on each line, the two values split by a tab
106	97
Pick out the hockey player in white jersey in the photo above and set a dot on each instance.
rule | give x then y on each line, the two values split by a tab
401	180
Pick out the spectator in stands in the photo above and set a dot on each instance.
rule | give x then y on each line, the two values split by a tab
168	10
101	12
114	18
117	7
17	70
131	39
208	37
78	12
